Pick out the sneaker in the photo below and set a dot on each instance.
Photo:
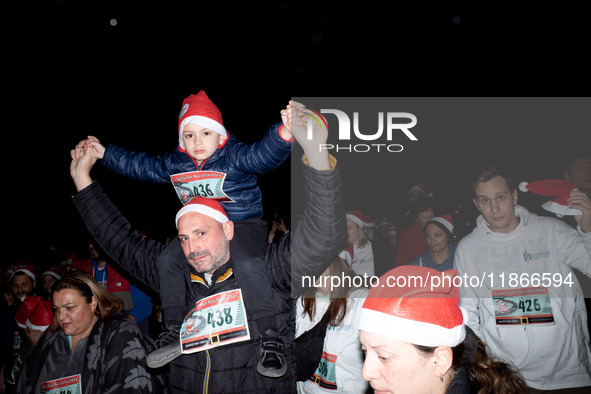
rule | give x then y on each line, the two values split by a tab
167	347
272	363
161	357
170	334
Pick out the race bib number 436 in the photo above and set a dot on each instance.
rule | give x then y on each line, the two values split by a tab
217	320
207	184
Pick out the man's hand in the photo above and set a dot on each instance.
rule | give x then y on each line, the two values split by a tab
82	161
311	139
579	200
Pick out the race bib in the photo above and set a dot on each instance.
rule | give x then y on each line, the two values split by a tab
207	184
68	385
325	375
530	305
217	320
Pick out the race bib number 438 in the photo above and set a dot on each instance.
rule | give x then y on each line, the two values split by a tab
217	320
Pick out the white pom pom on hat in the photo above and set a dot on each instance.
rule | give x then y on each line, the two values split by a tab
557	188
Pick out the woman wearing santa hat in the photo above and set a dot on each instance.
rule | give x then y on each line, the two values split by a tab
439	236
363	258
416	341
89	347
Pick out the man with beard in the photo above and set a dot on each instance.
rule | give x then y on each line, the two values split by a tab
220	365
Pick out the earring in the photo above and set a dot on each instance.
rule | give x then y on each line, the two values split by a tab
441	377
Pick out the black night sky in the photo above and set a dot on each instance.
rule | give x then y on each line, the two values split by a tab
119	70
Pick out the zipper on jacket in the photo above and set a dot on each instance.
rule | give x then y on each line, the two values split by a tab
207	372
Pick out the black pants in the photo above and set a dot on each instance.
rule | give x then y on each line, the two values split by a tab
246	251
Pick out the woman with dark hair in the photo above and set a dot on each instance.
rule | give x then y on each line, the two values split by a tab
439	236
90	347
416	340
335	303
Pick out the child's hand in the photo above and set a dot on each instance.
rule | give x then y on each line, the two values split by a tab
286	129
98	150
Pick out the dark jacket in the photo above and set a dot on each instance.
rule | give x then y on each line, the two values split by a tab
241	162
115	360
232	368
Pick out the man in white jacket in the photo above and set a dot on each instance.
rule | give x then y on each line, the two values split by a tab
519	290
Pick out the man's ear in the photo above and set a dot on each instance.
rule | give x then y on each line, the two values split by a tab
567	176
228	228
515	197
475	204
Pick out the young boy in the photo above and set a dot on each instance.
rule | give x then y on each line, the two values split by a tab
209	162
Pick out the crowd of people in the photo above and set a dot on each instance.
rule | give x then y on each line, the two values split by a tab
223	306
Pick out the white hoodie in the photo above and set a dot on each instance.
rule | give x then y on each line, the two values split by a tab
550	355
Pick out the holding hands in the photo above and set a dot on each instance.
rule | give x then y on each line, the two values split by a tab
311	138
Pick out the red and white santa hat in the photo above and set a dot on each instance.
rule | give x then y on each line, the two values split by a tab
413	311
200	110
445	220
557	188
357	217
42	316
421	188
205	206
52	271
28	269
25	309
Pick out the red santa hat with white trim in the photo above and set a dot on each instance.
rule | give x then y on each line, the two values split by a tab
42	316
28	269
200	110
52	271
205	206
414	311
357	217
557	188
445	220
25	309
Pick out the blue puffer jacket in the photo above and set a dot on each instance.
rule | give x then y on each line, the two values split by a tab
241	162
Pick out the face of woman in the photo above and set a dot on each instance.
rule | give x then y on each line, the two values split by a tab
353	231
393	366
74	315
436	238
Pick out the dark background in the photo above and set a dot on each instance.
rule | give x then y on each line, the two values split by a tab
69	70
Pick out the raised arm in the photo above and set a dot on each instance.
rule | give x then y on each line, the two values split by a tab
322	234
134	252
